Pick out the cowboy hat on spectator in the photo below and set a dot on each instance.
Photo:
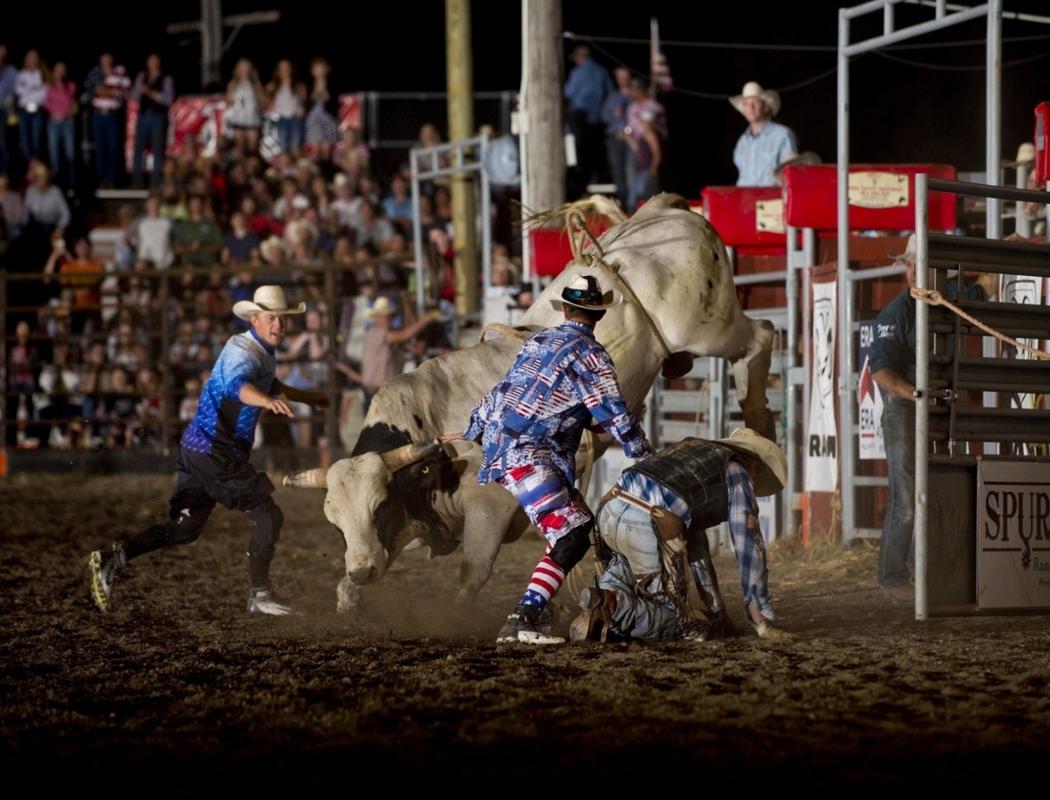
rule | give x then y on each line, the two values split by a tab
266	298
754	89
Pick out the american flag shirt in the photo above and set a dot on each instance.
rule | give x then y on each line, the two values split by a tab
537	413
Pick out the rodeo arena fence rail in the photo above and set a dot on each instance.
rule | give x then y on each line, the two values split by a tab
162	300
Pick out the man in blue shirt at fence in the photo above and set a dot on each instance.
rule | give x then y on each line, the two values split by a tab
213	464
765	143
893	369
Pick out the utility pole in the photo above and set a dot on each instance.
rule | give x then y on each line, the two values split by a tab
210	28
459	57
544	172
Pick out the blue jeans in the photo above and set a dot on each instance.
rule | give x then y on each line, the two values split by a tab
897	549
31	132
290	133
106	130
643	186
61	143
628	531
152	132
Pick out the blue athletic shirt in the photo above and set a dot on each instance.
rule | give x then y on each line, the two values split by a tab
222	421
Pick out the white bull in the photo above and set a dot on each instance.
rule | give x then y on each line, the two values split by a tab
679	299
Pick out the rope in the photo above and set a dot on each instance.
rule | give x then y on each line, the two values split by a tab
934	298
576	226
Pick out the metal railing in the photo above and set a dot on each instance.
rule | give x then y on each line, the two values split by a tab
949	431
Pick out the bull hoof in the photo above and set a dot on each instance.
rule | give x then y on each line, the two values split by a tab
348	596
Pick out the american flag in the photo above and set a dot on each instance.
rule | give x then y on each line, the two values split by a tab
661	73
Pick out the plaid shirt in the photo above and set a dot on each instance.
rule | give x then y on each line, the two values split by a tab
537	413
747	541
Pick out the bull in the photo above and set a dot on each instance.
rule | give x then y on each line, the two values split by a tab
400	485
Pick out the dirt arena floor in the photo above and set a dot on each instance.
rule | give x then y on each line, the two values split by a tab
179	690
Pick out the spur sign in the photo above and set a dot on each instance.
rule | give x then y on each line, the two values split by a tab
1013	534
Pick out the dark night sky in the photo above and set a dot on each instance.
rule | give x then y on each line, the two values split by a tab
900	112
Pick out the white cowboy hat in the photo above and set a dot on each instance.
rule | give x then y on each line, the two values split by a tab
584	291
266	298
382	307
1025	155
754	89
770	480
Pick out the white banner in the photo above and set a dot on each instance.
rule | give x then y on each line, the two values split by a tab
822	448
1013	534
869	401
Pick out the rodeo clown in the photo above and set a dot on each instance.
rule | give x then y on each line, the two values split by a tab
213	464
653	525
530	426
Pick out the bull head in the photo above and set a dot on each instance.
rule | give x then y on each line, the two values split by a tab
360	499
393	460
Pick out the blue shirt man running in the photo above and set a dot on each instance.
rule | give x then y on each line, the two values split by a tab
213	465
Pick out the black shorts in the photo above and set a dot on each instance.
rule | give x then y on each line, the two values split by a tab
204	479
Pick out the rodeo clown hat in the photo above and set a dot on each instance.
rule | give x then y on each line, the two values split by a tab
584	291
769	480
266	298
754	89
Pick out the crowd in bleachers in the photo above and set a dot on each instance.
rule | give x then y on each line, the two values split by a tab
283	193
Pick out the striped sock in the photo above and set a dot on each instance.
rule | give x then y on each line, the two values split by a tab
544	584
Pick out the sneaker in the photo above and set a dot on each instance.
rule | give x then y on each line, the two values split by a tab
104	566
525	624
264	601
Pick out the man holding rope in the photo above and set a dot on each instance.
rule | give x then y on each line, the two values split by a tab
893	368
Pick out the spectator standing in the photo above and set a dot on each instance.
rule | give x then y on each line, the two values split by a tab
107	87
322	128
383	356
8	79
614	116
24	360
764	144
288	105
586	89
645	167
155	92
244	101
31	90
61	104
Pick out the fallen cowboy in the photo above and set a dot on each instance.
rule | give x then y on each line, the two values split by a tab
652	528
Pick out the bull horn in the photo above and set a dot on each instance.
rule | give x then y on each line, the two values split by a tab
407	454
308	479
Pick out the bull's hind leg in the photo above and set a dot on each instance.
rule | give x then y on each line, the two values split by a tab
751	372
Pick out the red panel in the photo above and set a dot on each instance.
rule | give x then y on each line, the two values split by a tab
731	209
1042	152
551	250
810	199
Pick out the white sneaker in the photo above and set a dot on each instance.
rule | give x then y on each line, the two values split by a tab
264	601
104	566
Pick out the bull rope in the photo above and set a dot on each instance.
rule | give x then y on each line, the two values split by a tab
934	298
576	226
